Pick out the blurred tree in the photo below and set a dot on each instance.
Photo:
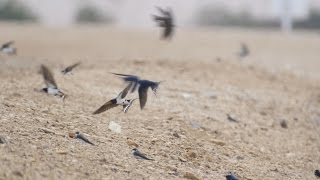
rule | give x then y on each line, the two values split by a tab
91	14
313	22
12	10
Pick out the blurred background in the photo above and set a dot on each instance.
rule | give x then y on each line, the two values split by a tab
284	14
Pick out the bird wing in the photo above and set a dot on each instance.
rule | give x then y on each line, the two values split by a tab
7	44
124	92
140	154
108	105
143	95
162	11
73	65
82	137
167	32
119	74
48	77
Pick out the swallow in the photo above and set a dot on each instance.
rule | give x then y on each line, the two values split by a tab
139	155
119	100
231	176
143	86
165	21
69	69
244	51
52	88
7	49
82	137
317	173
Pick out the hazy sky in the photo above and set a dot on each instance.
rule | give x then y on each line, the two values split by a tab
136	13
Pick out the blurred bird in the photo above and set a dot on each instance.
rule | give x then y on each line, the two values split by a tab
68	70
143	86
139	155
52	87
317	173
231	176
7	49
119	100
244	51
165	21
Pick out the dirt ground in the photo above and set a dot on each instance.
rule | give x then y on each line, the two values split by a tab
185	128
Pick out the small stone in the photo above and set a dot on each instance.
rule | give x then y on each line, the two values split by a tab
191	154
175	134
186	95
182	159
284	124
218	142
131	143
114	127
17	173
62	152
72	135
3	140
189	175
232	118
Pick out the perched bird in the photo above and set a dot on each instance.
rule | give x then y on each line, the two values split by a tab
7	49
244	51
52	87
139	155
69	69
143	86
231	176
82	137
165	21
317	173
119	100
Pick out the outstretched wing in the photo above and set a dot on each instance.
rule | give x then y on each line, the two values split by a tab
167	31
124	92
73	66
127	77
7	44
108	105
48	77
143	95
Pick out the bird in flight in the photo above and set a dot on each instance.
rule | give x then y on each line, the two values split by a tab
52	87
119	100
68	70
143	86
8	49
244	51
165	21
139	155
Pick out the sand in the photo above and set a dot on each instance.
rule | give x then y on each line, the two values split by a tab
185	129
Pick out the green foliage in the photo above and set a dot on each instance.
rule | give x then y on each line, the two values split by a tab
90	14
12	10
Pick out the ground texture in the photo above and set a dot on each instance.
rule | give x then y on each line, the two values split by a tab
185	128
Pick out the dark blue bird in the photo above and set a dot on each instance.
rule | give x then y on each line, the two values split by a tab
143	86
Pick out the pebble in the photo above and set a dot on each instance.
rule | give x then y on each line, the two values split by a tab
189	175
114	127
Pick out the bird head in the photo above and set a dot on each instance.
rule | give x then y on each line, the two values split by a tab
155	87
134	150
44	90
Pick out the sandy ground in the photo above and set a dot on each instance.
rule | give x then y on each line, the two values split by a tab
185	128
